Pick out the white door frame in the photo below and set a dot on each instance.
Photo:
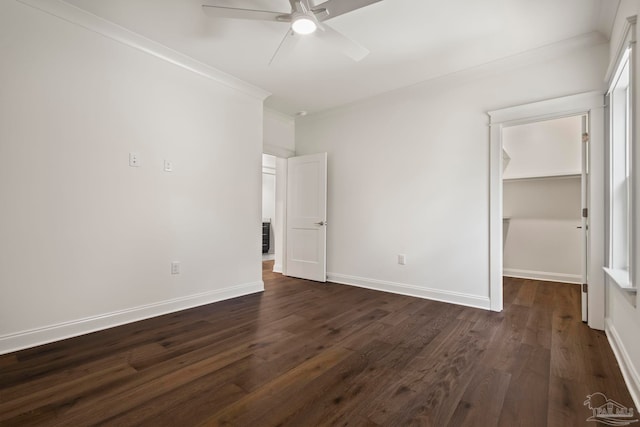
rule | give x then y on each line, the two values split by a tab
584	103
280	229
584	204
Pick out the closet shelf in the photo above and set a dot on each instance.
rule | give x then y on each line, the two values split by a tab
546	177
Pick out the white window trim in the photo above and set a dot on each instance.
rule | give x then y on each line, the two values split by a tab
624	279
620	278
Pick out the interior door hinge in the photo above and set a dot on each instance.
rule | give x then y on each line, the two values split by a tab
585	137
585	212
585	288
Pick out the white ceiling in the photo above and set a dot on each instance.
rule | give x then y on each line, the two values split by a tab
410	41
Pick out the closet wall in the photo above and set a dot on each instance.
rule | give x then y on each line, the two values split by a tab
541	200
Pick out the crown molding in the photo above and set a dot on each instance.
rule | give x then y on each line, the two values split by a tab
490	68
627	40
91	22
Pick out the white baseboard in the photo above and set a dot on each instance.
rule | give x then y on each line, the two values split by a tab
268	257
629	373
412	290
277	268
542	275
74	328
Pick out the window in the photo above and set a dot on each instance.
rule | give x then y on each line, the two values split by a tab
620	168
621	223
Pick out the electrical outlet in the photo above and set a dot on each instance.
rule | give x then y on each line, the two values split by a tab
175	267
134	160
168	166
402	259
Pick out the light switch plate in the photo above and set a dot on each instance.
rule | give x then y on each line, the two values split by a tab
175	267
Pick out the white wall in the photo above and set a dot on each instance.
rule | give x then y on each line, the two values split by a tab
547	148
279	134
87	241
409	174
622	311
541	240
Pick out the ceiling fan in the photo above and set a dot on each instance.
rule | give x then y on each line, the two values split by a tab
305	18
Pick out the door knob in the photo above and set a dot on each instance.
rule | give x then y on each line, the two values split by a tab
321	223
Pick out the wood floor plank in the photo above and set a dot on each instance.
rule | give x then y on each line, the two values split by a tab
443	385
509	335
420	388
307	354
482	401
21	407
526	400
544	294
192	401
254	407
327	392
538	328
527	293
8	360
564	408
149	384
357	394
30	386
511	287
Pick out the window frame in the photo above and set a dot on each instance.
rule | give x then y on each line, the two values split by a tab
621	261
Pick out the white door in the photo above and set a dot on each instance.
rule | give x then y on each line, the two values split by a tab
307	217
585	214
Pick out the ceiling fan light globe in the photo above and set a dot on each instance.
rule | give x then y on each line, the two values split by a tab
303	25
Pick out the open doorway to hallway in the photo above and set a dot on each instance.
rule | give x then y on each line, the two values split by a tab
273	212
268	207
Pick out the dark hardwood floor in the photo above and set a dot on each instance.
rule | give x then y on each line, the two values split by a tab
306	354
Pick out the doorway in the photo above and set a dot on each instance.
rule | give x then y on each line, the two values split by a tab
294	215
542	182
268	207
274	189
586	104
543	234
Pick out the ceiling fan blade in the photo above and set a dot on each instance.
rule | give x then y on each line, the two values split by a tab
286	46
237	13
306	7
342	43
321	14
340	7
